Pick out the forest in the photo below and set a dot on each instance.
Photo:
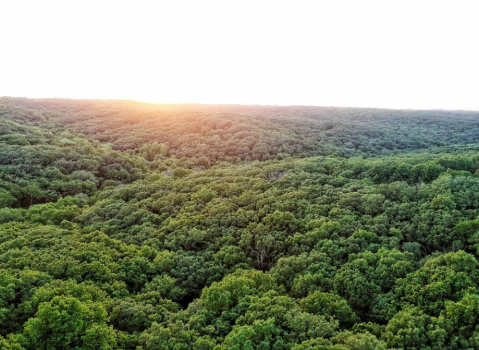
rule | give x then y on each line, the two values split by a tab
135	226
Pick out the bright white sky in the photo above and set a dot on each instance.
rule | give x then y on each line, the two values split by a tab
395	54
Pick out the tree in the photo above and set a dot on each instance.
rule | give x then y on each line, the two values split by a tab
66	323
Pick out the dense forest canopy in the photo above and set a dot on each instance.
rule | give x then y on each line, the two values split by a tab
126	225
233	133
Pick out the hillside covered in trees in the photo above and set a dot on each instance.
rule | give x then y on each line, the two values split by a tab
135	226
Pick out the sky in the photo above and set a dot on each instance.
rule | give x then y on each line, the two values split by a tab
417	54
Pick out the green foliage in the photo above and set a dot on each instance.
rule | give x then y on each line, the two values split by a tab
329	305
224	295
135	226
66	322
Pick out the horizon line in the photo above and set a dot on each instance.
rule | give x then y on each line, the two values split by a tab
237	104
